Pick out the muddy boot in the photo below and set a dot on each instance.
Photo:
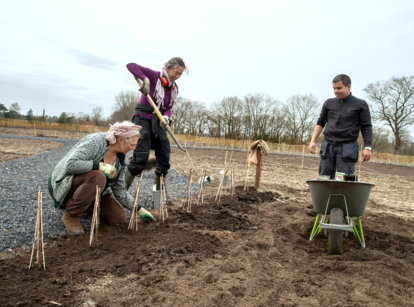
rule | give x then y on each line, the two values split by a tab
72	224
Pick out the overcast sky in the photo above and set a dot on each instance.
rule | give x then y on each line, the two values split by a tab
71	56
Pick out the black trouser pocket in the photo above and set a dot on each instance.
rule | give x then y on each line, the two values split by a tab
324	147
350	152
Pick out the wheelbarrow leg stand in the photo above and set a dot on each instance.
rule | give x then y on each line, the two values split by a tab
359	235
315	229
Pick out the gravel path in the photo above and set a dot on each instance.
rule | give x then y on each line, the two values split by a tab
21	179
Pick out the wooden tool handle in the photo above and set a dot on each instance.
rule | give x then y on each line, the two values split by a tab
152	102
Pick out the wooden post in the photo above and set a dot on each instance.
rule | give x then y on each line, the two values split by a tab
258	168
303	155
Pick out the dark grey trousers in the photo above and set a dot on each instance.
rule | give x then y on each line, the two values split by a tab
341	158
160	144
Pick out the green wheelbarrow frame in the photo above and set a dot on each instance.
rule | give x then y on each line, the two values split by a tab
351	197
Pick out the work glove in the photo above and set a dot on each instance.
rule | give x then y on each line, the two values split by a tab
129	178
146	217
167	122
145	87
108	170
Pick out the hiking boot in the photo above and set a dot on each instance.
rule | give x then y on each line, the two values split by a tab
72	224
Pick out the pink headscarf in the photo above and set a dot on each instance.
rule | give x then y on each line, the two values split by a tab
121	130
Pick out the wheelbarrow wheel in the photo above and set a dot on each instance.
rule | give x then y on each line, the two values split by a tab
335	236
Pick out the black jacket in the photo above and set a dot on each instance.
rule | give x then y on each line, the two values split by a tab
344	119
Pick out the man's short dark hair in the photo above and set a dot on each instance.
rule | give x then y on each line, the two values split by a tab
344	78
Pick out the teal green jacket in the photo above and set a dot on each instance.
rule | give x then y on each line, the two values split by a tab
85	157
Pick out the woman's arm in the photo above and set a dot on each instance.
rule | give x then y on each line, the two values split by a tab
142	72
121	194
82	158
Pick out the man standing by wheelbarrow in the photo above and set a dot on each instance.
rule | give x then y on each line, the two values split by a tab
342	117
161	87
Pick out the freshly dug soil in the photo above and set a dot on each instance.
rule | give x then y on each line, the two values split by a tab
12	149
251	249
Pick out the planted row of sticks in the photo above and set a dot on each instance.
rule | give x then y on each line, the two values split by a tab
38	243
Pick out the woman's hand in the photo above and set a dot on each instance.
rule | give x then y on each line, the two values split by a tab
146	216
108	170
167	122
145	87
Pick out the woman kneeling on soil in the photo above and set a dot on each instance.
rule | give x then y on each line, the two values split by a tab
97	160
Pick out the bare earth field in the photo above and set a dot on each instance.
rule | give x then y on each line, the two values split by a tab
251	249
42	132
11	149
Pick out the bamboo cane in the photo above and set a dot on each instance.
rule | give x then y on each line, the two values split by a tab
34	241
303	155
231	182
166	199
160	200
200	194
41	230
232	179
221	186
40	253
360	161
247	159
95	218
190	190
246	187
134	213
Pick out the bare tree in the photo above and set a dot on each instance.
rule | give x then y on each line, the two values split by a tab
381	140
277	121
256	114
15	110
180	114
393	104
229	110
96	115
301	113
124	106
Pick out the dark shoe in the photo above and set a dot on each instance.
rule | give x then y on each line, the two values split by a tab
72	224
312	212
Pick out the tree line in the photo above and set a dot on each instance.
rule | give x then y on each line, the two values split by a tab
260	116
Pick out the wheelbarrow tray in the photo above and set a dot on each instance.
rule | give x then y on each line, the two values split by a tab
355	193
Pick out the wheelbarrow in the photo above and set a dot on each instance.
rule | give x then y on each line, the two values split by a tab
340	200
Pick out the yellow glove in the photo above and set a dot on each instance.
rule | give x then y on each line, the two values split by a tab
108	170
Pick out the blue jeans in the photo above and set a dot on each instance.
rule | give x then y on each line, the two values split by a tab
341	158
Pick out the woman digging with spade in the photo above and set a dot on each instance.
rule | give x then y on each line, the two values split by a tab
161	87
97	160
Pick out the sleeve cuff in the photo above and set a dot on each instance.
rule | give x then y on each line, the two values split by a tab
95	166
